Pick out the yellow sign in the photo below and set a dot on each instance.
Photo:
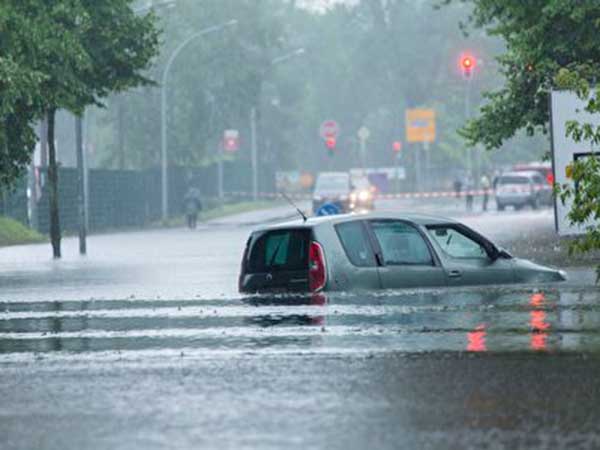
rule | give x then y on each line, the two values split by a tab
420	125
569	171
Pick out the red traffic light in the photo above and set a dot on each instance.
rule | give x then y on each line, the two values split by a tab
467	64
397	146
330	143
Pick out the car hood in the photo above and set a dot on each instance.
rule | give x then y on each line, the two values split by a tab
530	272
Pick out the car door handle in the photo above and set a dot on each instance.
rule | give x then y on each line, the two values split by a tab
455	274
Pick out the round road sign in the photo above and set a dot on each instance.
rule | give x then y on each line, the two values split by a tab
328	209
329	129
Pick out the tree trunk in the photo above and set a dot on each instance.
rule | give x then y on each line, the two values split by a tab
53	181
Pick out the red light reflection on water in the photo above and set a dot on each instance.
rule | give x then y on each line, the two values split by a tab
476	340
538	324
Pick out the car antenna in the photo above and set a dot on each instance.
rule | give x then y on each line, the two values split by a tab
304	218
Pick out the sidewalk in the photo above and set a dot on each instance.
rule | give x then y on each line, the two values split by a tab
276	214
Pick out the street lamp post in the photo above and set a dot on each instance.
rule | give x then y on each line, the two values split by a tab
163	109
253	126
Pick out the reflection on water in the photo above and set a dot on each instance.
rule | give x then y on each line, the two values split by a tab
539	326
475	320
476	340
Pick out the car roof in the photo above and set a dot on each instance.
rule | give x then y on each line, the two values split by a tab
312	222
521	173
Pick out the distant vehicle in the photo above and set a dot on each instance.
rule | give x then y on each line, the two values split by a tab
519	189
378	251
332	189
543	168
362	196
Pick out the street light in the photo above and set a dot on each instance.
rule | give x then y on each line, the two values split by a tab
163	109
253	133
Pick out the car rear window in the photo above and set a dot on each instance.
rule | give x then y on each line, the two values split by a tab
279	250
356	243
513	180
332	183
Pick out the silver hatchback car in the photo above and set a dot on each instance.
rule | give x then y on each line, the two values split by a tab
378	251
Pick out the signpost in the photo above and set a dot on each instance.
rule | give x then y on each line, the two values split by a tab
231	140
420	125
420	128
329	129
363	136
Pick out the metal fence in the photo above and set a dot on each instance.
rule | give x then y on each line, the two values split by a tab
125	198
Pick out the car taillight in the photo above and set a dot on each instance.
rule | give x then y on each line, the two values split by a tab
317	271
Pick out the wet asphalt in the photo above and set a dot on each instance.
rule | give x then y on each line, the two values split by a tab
145	343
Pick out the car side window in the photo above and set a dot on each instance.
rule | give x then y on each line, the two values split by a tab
356	244
401	243
456	244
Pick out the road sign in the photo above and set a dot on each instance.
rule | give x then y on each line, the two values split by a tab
231	140
329	129
364	133
328	209
420	125
567	106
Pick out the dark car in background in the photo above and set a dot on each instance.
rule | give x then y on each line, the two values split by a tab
519	189
362	195
332	189
378	251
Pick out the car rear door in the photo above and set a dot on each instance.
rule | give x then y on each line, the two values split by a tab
276	261
404	255
352	263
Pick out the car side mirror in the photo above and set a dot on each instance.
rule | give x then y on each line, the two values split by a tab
499	253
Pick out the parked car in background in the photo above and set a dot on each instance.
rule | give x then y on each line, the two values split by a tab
519	189
332	188
362	197
378	251
543	168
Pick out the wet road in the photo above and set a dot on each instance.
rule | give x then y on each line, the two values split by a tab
146	344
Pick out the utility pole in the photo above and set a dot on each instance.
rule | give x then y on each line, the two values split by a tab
254	155
80	184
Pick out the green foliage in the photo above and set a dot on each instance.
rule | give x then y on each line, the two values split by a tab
14	233
550	44
363	65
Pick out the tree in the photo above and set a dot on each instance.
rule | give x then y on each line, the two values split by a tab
83	51
20	97
550	44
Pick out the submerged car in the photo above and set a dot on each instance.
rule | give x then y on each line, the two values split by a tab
378	251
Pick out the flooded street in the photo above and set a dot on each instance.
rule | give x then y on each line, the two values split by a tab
148	345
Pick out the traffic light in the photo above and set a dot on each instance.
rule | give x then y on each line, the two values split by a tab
330	143
397	145
467	65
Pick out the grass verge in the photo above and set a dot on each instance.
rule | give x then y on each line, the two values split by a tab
15	233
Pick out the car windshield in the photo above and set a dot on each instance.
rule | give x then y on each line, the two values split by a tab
513	180
360	183
332	184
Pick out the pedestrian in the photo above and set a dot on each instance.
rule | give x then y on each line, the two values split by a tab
485	187
193	206
457	187
469	186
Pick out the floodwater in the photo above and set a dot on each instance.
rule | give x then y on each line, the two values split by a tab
146	344
507	319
